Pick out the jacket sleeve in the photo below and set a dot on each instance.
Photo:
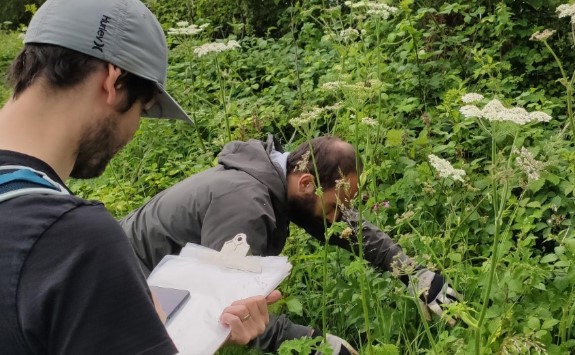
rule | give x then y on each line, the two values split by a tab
247	210
279	329
378	247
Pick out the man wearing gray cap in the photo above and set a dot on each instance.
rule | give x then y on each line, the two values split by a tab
69	281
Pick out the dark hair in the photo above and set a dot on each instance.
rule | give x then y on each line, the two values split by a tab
333	158
64	68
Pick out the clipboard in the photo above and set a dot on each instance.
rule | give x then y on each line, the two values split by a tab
214	280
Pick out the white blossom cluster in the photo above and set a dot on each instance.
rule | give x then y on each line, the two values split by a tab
495	111
566	10
332	85
349	34
471	97
527	162
445	169
307	116
373	8
215	47
335	107
542	35
184	28
369	121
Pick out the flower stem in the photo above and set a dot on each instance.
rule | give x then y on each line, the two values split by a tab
223	93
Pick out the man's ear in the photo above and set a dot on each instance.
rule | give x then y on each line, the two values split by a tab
306	184
110	85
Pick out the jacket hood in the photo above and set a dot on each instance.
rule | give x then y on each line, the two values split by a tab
253	158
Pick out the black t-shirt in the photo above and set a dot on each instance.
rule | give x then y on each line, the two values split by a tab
79	289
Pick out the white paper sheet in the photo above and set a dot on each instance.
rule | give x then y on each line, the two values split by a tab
213	287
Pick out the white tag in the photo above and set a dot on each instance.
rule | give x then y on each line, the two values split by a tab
233	255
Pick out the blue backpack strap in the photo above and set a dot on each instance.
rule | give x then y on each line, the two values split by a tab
16	180
24	175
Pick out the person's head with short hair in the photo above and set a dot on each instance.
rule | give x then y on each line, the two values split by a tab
106	59
334	162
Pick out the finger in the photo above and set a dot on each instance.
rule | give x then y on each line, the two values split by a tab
435	308
238	311
273	297
244	321
452	294
442	299
258	309
238	332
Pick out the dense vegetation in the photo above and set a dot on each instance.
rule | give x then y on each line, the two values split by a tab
391	81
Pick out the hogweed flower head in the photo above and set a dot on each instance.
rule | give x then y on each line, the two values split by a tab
566	10
346	233
373	8
307	116
471	97
335	107
471	111
368	121
539	116
494	110
348	35
445	169
216	47
183	28
405	216
381	10
542	36
528	164
332	85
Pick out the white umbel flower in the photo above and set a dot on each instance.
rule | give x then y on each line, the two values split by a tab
471	97
215	47
368	121
566	10
183	28
495	111
527	162
542	36
445	169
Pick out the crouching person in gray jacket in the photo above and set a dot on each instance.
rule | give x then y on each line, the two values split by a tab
257	189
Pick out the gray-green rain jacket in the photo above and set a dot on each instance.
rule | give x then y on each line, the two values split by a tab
245	193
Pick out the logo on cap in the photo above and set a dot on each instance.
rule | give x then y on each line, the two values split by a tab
99	41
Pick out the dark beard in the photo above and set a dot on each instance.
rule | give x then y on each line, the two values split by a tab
302	214
96	149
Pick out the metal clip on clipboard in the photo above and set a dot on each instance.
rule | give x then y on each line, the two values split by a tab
234	255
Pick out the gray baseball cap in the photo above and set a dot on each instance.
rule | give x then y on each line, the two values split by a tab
121	32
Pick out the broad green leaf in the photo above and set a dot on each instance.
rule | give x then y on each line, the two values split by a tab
548	258
294	305
394	138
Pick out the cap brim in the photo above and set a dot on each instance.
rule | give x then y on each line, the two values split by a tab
166	107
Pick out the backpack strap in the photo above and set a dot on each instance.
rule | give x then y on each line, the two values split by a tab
17	180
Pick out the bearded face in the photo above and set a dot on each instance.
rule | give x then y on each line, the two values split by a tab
302	213
97	147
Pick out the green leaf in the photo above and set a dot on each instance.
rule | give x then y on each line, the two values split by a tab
548	323
294	305
385	349
536	185
570	245
534	323
394	138
455	257
548	258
